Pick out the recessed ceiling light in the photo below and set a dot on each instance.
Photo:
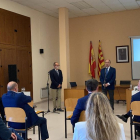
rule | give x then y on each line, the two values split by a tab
81	5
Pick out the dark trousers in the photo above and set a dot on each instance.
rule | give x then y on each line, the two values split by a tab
43	128
111	95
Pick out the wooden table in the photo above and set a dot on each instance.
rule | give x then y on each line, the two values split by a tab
80	91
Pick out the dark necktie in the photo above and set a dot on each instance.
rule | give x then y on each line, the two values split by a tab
106	71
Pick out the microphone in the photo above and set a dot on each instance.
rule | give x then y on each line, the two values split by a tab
49	72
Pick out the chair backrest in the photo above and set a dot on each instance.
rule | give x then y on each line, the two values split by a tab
82	116
135	107
70	104
15	114
31	104
73	84
125	82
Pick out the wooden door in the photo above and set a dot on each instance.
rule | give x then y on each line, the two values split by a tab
2	26
22	31
1	75
6	27
24	70
8	58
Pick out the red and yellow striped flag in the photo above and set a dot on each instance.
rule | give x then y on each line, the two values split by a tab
92	62
101	62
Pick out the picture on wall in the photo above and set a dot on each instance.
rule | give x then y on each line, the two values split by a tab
122	54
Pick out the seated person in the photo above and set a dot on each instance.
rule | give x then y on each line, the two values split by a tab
2	110
8	134
135	97
14	99
91	87
101	123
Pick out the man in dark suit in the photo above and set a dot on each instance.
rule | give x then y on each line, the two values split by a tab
14	99
56	85
107	78
8	134
91	87
135	97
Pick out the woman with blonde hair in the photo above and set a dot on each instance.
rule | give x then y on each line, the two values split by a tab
101	123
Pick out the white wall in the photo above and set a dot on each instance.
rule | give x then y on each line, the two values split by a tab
45	35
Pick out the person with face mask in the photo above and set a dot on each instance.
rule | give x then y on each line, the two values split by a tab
107	78
56	85
135	97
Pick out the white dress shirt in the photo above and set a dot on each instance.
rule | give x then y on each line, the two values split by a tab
80	131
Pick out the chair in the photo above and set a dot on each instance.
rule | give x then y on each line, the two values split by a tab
70	104
34	106
37	112
134	111
73	84
82	116
17	115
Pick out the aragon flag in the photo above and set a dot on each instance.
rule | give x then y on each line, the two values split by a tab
92	62
101	62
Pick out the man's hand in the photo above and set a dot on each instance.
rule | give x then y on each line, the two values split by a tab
107	85
14	137
59	86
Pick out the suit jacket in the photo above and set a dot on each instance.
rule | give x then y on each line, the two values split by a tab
13	99
5	133
80	131
55	78
81	106
110	78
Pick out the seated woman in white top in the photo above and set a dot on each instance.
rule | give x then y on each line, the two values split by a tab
101	123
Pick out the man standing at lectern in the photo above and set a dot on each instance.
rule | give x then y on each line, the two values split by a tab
56	85
107	78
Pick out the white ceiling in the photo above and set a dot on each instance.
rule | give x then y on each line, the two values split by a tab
79	8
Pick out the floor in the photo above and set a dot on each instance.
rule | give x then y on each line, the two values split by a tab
55	123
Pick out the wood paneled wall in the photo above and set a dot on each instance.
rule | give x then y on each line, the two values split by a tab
15	49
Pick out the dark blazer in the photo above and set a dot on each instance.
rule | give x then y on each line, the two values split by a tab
81	106
13	99
56	79
110	78
5	133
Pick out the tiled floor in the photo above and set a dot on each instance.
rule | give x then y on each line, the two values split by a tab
55	123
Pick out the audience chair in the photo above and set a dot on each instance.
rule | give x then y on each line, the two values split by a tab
135	110
70	104
82	117
37	112
73	84
17	115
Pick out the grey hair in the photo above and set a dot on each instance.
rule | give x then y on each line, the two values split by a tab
11	86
